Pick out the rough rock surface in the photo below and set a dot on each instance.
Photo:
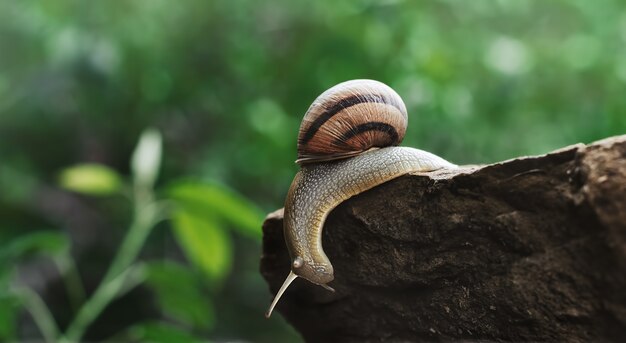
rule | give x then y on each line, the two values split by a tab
530	249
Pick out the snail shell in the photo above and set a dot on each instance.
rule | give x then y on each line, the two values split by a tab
350	118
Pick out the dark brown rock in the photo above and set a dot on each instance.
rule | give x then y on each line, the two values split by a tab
530	249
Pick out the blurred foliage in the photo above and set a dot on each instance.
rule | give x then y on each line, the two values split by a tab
218	202
226	83
178	291
206	245
161	333
93	179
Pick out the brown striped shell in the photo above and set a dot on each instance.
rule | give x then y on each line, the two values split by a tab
349	119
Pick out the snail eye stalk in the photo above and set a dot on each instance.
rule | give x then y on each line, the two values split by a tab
282	290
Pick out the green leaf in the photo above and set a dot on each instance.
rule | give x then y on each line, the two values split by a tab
92	179
155	332
179	294
9	310
51	243
204	242
146	159
217	200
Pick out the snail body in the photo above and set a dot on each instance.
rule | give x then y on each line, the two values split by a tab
345	147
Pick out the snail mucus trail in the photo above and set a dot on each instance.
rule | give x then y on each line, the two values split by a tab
347	144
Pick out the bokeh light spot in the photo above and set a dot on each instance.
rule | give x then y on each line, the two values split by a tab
508	56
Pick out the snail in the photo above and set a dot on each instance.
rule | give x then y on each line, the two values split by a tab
347	144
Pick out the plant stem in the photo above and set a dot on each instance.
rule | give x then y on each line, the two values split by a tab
71	278
40	312
113	281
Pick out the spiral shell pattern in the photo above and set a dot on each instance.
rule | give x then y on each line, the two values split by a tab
349	119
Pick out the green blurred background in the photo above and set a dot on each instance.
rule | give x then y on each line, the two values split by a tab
225	83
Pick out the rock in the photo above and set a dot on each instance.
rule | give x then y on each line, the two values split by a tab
530	249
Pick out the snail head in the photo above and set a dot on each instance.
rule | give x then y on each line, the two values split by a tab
316	273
